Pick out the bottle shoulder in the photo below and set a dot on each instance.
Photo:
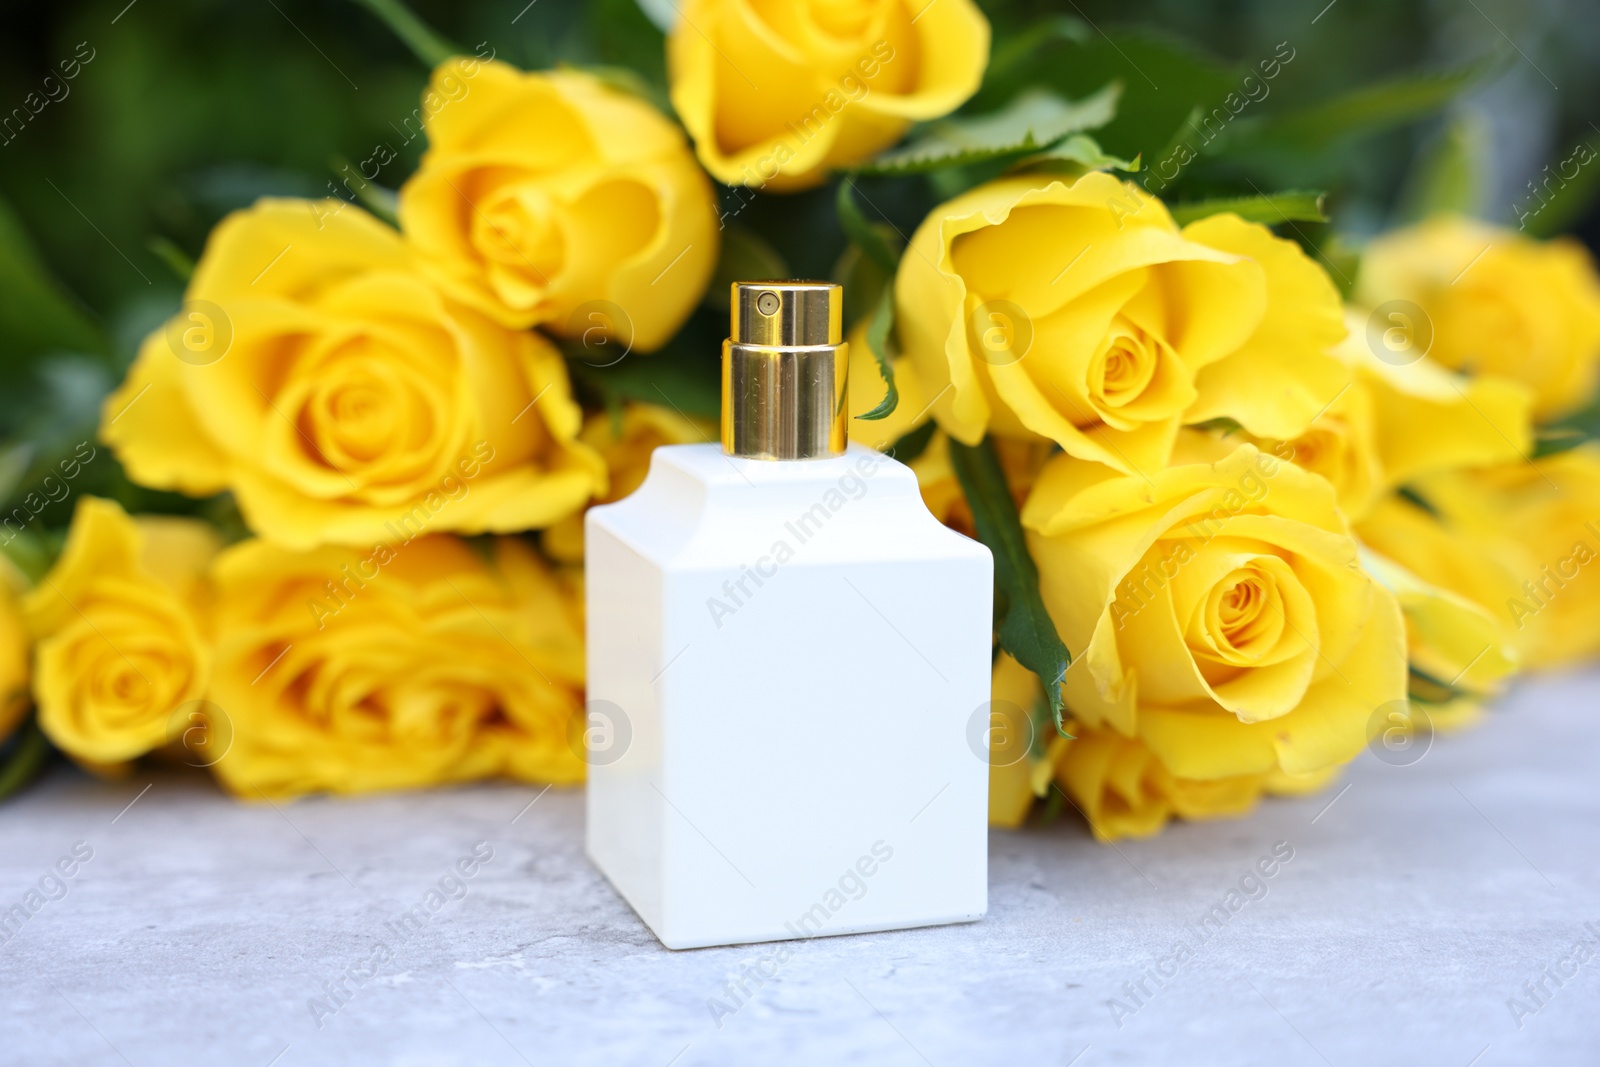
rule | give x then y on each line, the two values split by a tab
714	468
699	507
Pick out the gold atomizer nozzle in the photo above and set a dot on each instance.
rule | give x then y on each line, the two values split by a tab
784	371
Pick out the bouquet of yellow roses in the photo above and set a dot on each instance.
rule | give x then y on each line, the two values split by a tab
1260	496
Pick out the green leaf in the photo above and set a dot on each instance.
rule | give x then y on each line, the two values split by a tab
1076	154
36	312
1585	423
16	460
1424	688
663	13
649	380
1219	425
1449	175
425	43
177	260
1026	629
626	38
22	761
1561	193
746	257
1334	252
1054	806
862	233
880	338
1293	205
32	552
1034	120
381	201
1553	440
911	444
863	279
1366	110
876	246
1164	79
1417	500
1013	56
685	374
1568	432
56	415
222	512
1039	715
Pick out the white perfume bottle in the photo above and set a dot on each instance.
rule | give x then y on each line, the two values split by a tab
788	666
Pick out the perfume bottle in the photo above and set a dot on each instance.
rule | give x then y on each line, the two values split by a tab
788	666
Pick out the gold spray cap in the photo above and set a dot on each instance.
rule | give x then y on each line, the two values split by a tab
784	368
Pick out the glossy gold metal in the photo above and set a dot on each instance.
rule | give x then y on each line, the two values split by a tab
784	371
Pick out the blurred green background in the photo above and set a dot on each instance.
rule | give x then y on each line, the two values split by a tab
179	111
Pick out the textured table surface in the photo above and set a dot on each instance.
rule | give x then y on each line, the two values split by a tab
1403	930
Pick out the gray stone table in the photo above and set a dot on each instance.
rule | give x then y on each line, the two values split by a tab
1432	914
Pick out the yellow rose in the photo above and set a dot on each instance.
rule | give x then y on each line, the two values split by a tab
1081	314
775	95
411	665
1459	652
941	489
1492	301
14	643
1123	790
118	625
1114	782
1341	445
1021	460
1395	423
1521	540
1456	556
865	382
1426	419
1015	741
625	442
341	397
1216	610
542	192
935	477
